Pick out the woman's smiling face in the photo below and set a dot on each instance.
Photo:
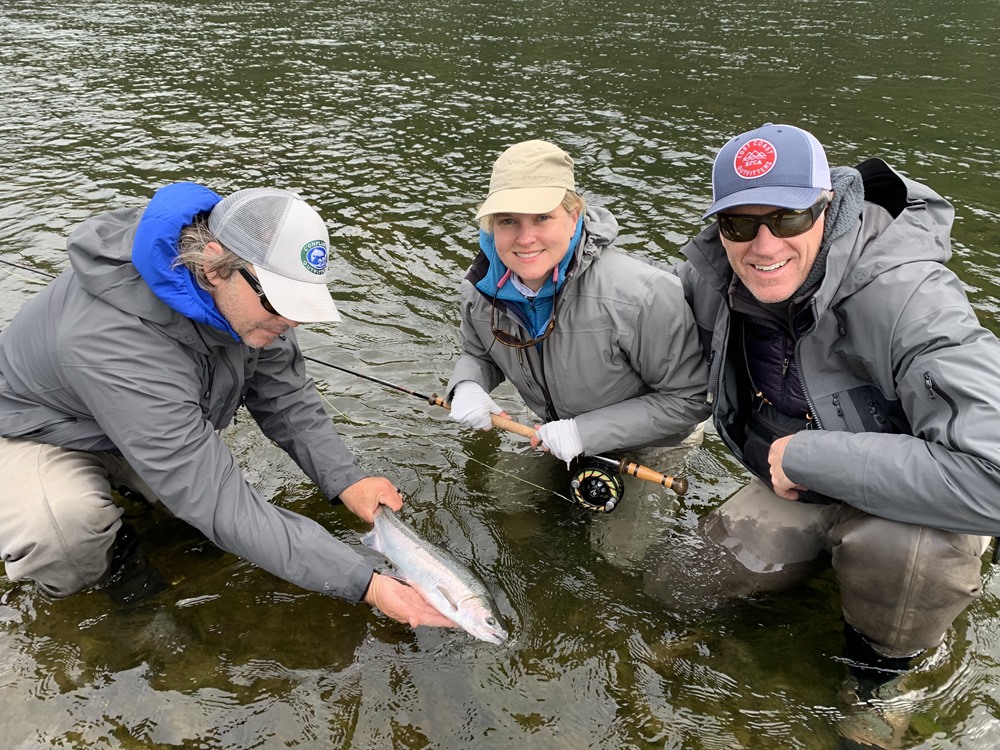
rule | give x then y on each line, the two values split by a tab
531	245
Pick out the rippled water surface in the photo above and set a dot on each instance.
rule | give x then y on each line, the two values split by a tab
387	116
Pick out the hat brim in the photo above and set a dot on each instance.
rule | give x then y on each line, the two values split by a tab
537	200
301	301
777	196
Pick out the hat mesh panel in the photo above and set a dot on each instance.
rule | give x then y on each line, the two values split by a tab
251	228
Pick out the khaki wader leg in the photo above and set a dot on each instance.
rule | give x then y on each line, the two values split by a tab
903	585
58	518
753	543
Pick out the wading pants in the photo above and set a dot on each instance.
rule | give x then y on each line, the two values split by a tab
901	585
58	518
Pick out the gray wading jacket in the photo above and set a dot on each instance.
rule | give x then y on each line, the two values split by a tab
97	362
623	358
902	379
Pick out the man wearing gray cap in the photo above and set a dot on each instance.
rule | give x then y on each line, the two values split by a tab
120	373
850	374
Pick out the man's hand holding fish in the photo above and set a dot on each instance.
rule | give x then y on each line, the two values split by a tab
400	602
363	497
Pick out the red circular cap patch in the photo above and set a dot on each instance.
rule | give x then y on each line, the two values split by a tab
755	159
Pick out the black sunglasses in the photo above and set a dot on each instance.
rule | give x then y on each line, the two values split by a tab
258	290
514	342
783	223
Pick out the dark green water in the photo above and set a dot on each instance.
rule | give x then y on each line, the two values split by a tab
388	117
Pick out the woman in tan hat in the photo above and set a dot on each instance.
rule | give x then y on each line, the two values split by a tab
600	345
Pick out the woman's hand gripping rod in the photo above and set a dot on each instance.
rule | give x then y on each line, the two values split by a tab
678	484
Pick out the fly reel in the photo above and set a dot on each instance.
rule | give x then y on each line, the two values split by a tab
596	487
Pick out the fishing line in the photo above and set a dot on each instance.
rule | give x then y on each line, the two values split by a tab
450	451
24	268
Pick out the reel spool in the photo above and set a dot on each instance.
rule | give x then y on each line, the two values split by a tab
596	487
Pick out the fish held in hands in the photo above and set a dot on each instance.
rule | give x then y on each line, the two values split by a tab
450	587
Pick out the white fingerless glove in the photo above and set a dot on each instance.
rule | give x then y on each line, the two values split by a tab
471	406
562	438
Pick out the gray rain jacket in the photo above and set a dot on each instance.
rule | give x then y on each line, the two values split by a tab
903	380
623	358
97	362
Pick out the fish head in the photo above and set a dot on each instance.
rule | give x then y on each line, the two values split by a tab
479	620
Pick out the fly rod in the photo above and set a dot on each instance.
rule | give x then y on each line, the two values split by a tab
678	484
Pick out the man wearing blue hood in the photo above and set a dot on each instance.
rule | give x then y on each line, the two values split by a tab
121	372
600	345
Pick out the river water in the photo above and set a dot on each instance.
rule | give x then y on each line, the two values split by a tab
387	117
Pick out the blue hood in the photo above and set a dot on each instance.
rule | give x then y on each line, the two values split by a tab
154	251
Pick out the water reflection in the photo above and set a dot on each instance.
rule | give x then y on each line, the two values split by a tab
388	119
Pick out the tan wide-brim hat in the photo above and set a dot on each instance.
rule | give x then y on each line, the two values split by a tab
531	177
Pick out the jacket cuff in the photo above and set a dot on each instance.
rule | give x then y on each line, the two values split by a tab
831	463
359	578
352	477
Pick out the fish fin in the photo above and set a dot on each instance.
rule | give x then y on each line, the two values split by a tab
376	557
370	539
446	595
445	547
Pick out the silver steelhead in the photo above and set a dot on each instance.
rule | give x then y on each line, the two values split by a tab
450	587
